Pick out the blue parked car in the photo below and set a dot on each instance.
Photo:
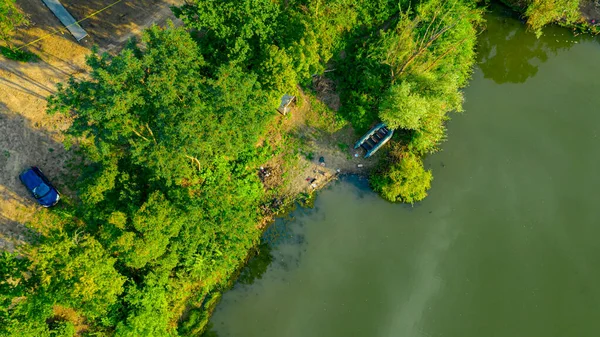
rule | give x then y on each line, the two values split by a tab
39	186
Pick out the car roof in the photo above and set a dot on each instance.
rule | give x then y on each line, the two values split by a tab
30	178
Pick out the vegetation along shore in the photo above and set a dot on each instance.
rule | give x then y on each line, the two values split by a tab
175	158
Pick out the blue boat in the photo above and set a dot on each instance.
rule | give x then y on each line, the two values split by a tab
374	139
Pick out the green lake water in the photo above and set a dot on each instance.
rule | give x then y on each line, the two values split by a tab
506	245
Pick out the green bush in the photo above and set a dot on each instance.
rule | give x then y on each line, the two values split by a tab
10	18
403	179
542	12
402	107
63	329
18	55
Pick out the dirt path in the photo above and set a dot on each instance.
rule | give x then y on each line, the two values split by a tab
590	10
28	136
318	152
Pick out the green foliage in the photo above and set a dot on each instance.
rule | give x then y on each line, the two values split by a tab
323	118
409	74
361	80
145	238
169	188
78	273
10	18
404	179
13	283
62	329
168	195
275	40
18	54
402	107
148	310
70	271
198	318
542	12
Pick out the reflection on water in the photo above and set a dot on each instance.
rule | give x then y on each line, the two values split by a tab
257	265
507	53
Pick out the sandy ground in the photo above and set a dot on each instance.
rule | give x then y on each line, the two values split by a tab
29	136
590	10
306	173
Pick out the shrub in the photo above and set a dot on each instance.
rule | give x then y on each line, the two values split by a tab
542	12
18	55
403	178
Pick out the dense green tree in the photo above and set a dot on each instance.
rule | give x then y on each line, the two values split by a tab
13	282
148	310
78	273
73	272
403	107
249	34
145	238
404	179
170	187
409	74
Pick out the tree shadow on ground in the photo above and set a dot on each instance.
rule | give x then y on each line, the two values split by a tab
115	24
60	55
31	86
109	24
21	146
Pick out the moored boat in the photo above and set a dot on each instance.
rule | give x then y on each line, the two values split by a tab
374	139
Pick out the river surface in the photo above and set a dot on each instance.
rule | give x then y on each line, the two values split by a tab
506	245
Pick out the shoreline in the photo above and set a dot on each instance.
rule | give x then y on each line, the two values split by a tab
306	198
212	299
589	22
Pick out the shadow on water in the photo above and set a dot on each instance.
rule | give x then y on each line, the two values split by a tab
284	243
508	53
257	265
284	231
289	231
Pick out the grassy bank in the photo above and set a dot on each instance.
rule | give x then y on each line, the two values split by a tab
580	15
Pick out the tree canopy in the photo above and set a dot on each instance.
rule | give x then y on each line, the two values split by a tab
403	179
408	73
